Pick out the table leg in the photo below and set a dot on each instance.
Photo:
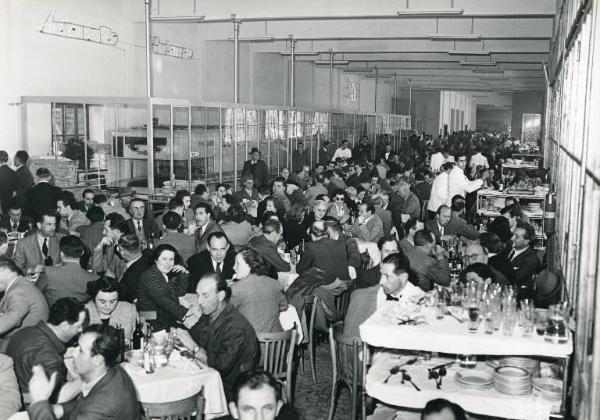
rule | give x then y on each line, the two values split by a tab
565	392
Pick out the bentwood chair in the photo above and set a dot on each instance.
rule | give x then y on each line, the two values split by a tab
347	368
341	303
277	357
186	409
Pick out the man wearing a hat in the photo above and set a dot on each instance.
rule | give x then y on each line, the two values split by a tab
257	169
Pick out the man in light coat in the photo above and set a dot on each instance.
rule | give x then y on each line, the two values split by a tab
459	184
439	190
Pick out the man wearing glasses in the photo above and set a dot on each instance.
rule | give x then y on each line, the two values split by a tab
476	254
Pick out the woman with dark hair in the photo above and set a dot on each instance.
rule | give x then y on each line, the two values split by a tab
293	229
188	212
161	286
106	308
270	204
225	203
258	297
236	227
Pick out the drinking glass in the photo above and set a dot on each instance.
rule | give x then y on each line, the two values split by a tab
509	321
456	295
541	320
473	311
489	325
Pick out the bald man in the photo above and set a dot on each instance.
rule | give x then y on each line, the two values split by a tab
476	254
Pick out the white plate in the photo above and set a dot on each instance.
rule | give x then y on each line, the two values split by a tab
475	378
548	388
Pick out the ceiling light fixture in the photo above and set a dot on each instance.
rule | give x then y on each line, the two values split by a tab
415	12
439	37
458	52
477	63
359	70
255	39
487	71
328	62
300	53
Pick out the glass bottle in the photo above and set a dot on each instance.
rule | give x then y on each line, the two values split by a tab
138	337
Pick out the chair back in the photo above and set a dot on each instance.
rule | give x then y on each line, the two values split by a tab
277	356
345	351
424	214
341	303
186	409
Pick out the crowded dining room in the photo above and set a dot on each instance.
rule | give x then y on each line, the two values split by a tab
260	210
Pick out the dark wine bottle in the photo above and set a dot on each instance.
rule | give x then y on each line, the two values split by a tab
138	337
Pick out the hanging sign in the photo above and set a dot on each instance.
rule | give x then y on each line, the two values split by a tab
101	35
172	50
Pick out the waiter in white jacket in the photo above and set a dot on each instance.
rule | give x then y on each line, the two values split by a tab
439	190
458	183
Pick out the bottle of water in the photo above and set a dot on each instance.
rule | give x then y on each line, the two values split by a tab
149	362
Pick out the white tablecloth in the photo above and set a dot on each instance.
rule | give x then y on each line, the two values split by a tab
450	336
173	383
371	248
479	401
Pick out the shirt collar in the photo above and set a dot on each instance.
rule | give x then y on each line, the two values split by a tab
130	263
87	387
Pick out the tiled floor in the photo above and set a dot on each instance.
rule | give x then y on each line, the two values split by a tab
312	400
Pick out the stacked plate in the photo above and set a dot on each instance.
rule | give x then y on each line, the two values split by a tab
529	364
534	207
548	388
512	380
475	378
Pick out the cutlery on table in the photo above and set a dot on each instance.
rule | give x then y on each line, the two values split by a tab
396	369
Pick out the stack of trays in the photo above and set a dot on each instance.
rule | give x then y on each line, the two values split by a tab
534	207
529	364
475	378
549	389
512	380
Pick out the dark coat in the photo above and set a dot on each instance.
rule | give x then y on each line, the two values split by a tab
8	183
328	255
156	294
268	250
149	226
130	280
526	266
25	224
258	172
24	180
112	398
201	263
504	266
201	238
230	343
41	196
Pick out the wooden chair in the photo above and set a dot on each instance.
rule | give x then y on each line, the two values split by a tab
341	303
347	368
186	409
424	213
277	357
311	335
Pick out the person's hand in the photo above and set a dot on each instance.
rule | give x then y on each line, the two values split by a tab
201	355
190	321
186	339
106	241
179	269
40	387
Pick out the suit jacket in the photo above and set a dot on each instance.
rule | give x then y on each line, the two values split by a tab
242	195
201	263
258	172
25	224
386	218
124	315
108	259
504	266
149	226
184	244
41	196
76	221
429	271
201	238
156	294
28	253
131	277
24	181
326	254
268	250
67	280
112	398
8	183
371	231
433	227
91	235
10	403
363	303
526	266
23	305
459	226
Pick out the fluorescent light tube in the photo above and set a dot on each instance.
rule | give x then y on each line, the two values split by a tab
300	53
454	36
477	63
415	12
327	62
458	52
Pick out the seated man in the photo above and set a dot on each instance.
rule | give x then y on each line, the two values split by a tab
428	262
457	224
266	245
106	256
368	225
23	304
10	400
91	234
41	247
219	258
44	345
107	390
393	287
68	279
14	221
222	338
326	254
370	276
475	253
437	226
411	227
71	217
524	260
185	244
440	409
137	261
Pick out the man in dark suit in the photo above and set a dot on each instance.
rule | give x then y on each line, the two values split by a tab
437	226
22	305
325	153
205	225
68	279
218	257
8	182
324	253
87	200
497	259
14	221
266	245
137	261
256	169
524	260
40	248
91	234
106	257
475	253
457	225
428	262
108	392
43	195
145	228
24	176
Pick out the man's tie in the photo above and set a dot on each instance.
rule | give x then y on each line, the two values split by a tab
511	255
218	270
47	259
139	226
15	226
392	298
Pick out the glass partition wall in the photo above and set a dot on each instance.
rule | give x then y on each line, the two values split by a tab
191	143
